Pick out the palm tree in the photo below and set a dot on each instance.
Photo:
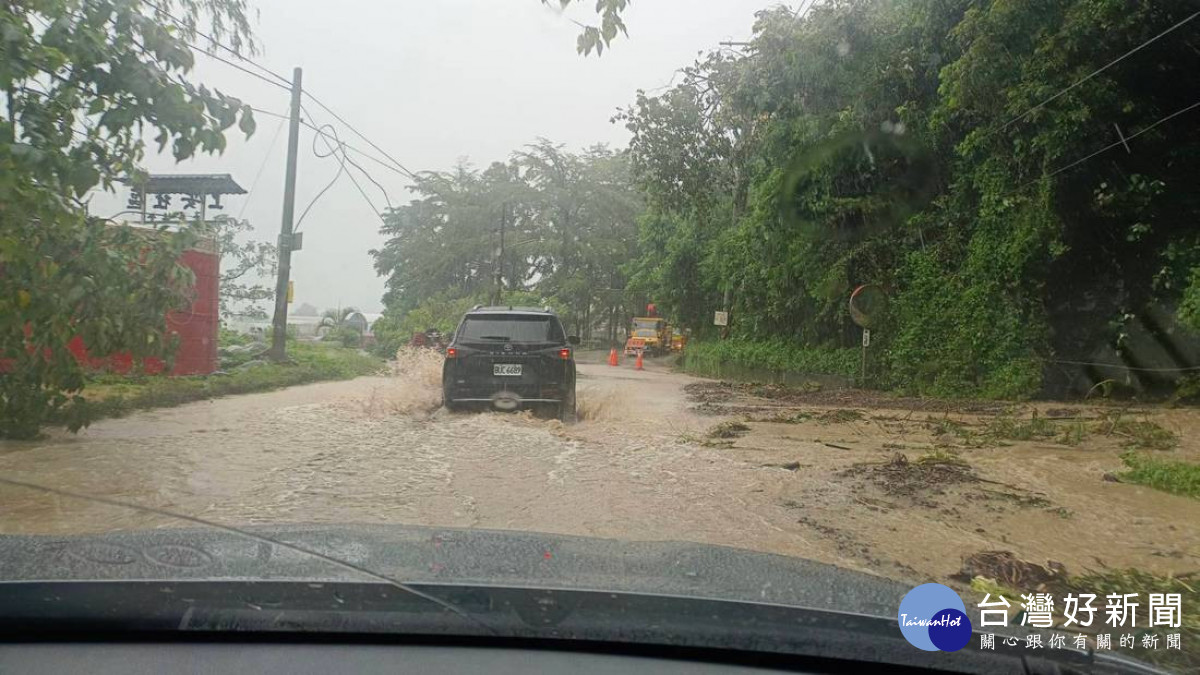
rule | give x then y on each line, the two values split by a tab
335	318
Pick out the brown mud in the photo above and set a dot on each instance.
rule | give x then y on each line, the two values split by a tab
907	488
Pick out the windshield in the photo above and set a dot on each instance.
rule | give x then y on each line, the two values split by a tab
510	328
646	327
827	294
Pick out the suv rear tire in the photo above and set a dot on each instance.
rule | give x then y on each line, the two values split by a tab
447	402
566	409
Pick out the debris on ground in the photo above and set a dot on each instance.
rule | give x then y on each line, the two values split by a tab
710	392
728	430
1006	569
840	416
1138	434
719	409
790	466
716	392
900	477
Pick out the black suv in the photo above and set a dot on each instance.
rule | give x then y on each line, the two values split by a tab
509	358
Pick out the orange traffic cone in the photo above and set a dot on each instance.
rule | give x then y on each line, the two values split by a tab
612	357
638	365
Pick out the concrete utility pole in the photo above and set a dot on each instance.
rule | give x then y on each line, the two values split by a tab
279	322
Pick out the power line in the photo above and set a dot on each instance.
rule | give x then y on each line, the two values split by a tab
1123	367
337	139
341	170
358	133
360	151
213	40
285	83
258	174
270	113
1098	71
238	67
386	197
279	81
346	145
202	50
1118	143
333	148
361	191
282	82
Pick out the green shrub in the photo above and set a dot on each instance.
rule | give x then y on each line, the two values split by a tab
229	338
388	336
1143	583
289	335
346	336
1181	478
957	337
310	362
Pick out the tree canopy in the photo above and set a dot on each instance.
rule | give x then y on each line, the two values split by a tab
597	37
1014	176
81	82
569	223
947	151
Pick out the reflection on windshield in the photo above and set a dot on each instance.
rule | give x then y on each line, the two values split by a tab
510	329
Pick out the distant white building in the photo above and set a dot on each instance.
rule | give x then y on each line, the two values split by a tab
304	326
371	318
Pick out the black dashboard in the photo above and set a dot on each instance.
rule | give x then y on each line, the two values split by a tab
138	658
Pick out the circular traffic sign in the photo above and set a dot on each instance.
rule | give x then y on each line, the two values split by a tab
868	304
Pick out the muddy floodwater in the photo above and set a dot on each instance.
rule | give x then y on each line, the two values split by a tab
905	489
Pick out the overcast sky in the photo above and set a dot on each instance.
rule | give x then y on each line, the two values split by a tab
431	81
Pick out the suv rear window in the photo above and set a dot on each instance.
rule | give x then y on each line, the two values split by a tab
511	328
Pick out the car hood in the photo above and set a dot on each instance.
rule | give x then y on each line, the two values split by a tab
453	583
449	555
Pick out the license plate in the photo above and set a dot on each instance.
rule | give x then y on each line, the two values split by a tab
506	369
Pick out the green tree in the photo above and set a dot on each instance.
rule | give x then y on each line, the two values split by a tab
596	38
332	319
584	211
447	239
913	145
244	265
569	226
81	82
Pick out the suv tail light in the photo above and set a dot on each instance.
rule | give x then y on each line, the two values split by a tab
451	353
564	354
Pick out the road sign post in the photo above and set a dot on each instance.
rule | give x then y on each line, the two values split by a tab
866	342
868	303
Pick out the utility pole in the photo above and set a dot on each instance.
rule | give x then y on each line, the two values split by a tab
500	257
279	323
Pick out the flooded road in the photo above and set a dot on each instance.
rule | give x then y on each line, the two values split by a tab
379	450
648	461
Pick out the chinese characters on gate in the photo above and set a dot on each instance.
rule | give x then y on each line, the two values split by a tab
162	201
